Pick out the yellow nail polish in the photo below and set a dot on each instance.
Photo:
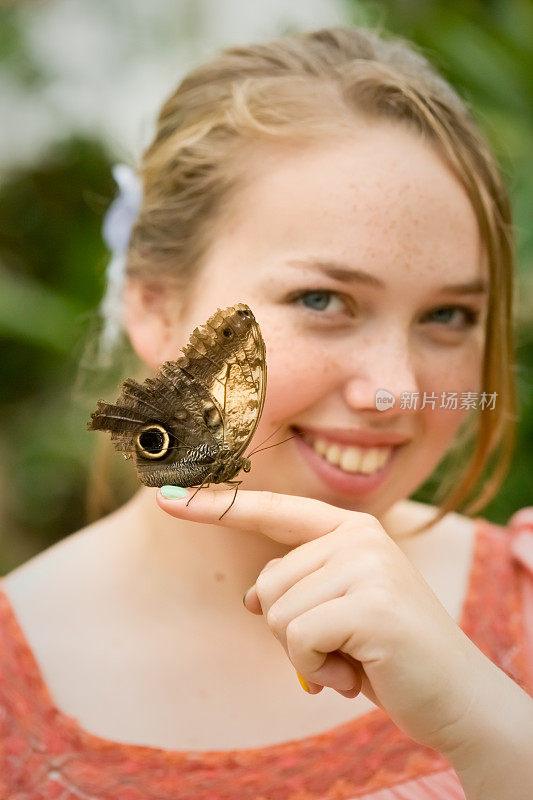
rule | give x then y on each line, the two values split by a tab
303	684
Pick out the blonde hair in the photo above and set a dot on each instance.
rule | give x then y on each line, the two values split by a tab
311	85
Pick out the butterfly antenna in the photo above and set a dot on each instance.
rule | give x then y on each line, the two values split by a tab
265	440
274	445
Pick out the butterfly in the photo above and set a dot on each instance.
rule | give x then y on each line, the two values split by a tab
190	424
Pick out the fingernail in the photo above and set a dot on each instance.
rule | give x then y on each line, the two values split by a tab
244	597
303	684
174	492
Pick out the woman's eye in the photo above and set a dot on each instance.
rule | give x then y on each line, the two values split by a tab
318	299
453	317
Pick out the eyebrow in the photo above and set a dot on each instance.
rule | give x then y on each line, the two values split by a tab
345	274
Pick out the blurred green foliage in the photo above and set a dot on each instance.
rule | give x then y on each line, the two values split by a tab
52	260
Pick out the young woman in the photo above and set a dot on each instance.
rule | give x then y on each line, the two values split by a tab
338	186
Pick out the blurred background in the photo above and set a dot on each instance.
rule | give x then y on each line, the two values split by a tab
80	85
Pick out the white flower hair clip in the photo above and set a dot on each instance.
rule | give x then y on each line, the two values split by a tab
116	229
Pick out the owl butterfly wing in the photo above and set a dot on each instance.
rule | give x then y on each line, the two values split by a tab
174	423
229	355
167	425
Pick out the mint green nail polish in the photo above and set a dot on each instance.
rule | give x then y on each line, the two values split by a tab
174	492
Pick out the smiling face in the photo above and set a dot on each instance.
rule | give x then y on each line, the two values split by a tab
343	250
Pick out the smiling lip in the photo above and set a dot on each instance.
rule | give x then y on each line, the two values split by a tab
355	438
357	483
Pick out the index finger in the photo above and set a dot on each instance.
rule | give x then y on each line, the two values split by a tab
285	518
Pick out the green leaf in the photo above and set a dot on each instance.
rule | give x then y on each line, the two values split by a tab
35	314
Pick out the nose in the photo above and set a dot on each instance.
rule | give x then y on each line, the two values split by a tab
382	365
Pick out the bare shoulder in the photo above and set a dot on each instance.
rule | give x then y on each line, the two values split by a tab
54	558
452	537
62	599
38	588
410	514
443	553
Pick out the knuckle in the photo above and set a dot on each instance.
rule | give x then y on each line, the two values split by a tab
380	599
371	564
268	501
358	564
363	519
262	584
274	618
367	519
295	633
363	529
344	531
269	564
341	569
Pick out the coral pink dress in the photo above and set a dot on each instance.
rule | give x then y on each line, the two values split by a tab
45	754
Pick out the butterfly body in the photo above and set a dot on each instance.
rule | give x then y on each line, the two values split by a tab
190	424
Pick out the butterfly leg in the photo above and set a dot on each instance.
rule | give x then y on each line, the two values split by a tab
204	483
236	484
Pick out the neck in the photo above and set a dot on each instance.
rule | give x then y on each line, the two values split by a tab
206	565
167	562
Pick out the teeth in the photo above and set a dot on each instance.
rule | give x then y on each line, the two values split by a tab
352	459
320	446
333	454
371	460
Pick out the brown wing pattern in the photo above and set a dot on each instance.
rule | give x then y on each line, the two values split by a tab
196	410
235	370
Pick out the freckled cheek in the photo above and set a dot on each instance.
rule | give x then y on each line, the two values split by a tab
297	378
460	372
441	424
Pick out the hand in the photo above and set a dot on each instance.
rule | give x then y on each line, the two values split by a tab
353	613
